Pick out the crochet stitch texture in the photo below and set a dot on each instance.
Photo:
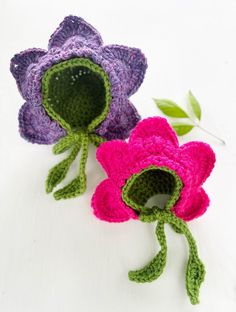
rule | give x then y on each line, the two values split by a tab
76	92
150	164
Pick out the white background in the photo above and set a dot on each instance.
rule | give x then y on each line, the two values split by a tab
55	255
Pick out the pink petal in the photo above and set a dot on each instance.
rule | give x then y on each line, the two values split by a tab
197	206
154	126
107	203
202	157
115	159
152	146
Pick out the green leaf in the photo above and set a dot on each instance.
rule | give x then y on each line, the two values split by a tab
195	274
171	109
57	174
196	108
155	268
182	129
75	188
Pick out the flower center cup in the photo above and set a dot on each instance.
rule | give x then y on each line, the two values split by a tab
76	93
151	189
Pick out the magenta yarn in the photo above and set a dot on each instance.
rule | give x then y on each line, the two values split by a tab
152	143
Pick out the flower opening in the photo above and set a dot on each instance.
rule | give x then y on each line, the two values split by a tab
145	190
76	93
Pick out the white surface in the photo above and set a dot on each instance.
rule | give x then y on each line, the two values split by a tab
56	256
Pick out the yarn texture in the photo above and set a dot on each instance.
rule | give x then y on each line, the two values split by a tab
150	164
76	92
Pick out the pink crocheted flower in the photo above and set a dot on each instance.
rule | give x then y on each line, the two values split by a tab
152	165
152	143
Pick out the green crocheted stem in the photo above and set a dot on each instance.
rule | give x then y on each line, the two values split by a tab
65	143
58	172
195	271
95	139
77	186
153	269
75	142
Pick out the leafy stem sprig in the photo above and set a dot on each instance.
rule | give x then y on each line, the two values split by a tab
171	109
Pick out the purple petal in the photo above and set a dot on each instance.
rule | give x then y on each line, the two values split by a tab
130	65
21	62
121	119
76	27
37	127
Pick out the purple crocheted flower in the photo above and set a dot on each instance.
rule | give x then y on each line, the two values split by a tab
75	38
77	91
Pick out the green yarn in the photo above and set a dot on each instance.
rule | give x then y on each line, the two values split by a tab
136	192
58	172
77	94
78	185
154	269
151	181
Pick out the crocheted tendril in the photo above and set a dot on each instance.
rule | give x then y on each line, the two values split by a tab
75	93
77	186
137	190
195	271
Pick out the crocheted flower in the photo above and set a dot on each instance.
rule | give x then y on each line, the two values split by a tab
141	172
77	92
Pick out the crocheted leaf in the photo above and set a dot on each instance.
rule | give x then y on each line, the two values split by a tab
194	105
181	129
57	174
195	271
171	109
155	268
151	271
194	277
75	188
